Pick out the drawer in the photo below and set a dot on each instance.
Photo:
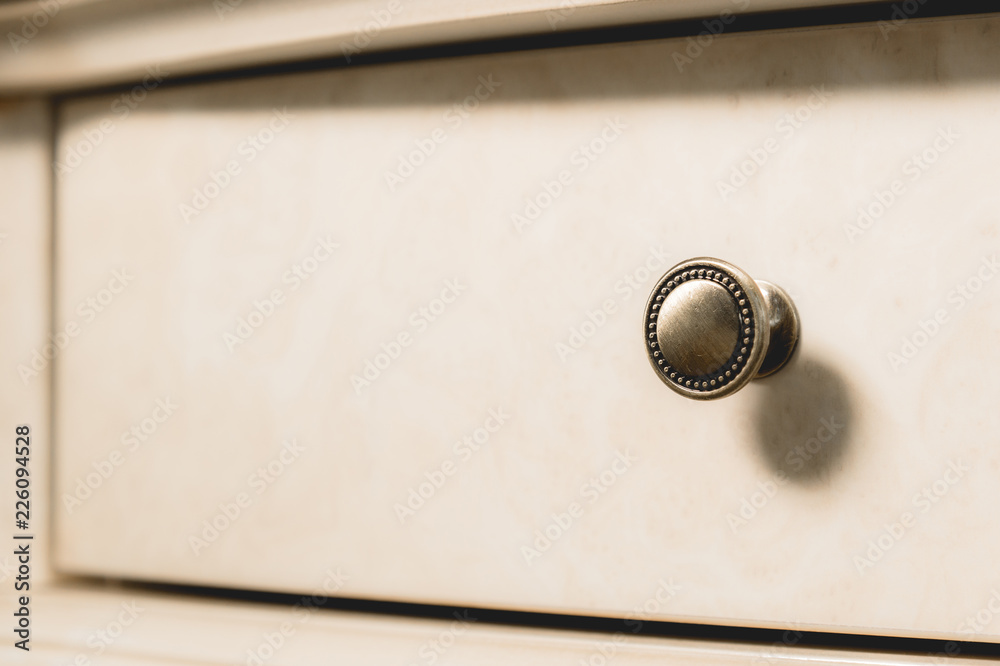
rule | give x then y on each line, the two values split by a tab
387	321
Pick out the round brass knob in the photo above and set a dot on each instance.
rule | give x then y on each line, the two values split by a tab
710	328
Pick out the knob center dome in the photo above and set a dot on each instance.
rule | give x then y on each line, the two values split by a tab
698	327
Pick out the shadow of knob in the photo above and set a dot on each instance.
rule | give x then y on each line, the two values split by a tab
803	421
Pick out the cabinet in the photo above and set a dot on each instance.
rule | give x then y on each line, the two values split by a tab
387	320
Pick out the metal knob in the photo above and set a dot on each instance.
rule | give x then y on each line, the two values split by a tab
710	328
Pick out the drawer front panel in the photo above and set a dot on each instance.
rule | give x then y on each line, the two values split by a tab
388	321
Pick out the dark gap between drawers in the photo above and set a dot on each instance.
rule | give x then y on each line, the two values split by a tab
745	636
817	17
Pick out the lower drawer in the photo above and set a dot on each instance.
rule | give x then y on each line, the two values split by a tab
386	321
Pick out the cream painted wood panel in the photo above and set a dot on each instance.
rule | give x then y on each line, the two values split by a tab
239	256
25	290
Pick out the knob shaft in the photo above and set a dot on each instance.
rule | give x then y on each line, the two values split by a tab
710	328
